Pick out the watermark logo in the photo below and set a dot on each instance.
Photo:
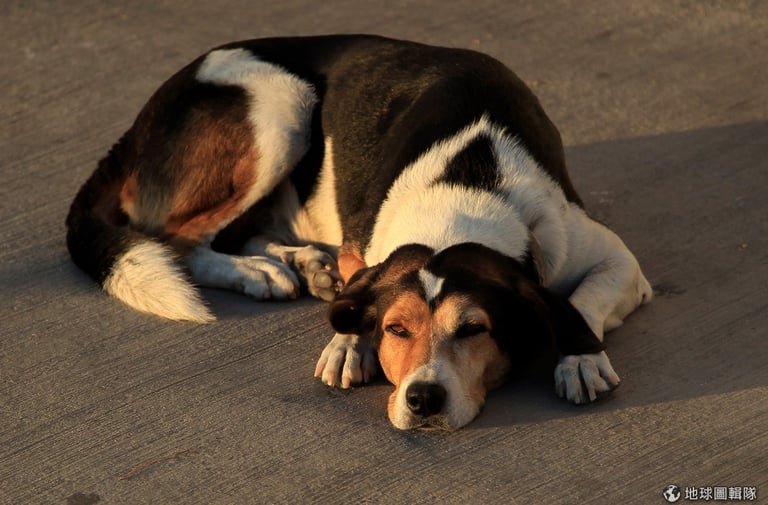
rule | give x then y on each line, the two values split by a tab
671	493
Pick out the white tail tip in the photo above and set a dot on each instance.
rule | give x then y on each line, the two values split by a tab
148	279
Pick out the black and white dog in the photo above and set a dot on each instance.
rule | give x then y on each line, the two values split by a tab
422	190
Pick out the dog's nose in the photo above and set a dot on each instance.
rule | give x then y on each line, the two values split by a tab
425	399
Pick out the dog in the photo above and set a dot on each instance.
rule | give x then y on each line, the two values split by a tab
421	190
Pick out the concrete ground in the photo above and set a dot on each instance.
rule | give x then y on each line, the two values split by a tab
663	106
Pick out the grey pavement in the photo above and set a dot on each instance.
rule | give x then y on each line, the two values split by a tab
663	107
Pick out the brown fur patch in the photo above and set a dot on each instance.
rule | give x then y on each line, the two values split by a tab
480	366
128	196
220	167
107	205
399	356
350	260
189	167
204	225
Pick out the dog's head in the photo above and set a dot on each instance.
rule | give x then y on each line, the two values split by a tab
449	326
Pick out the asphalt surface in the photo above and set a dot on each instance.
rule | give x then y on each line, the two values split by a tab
663	107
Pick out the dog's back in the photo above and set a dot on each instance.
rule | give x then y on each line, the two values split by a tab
223	133
431	174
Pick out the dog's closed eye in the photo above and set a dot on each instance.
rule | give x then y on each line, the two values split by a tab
470	329
398	330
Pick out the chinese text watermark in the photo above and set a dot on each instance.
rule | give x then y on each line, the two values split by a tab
674	493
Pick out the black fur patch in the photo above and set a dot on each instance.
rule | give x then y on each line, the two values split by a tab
526	318
474	167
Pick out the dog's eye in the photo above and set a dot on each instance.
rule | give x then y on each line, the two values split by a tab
398	330
470	329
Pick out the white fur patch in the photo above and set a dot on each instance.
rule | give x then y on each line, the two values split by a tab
280	112
441	216
601	273
259	277
417	210
432	284
346	360
541	203
148	279
581	378
319	220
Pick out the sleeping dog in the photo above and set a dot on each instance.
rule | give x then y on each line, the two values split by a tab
421	190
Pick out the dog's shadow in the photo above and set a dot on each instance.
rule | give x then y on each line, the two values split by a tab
527	400
231	306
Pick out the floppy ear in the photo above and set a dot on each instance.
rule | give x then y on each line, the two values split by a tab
569	331
353	311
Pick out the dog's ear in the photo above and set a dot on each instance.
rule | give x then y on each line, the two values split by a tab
534	319
354	311
568	331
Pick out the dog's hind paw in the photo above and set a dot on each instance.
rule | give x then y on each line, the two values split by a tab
322	276
317	269
582	378
345	361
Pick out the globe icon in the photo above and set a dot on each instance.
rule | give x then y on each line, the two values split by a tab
671	493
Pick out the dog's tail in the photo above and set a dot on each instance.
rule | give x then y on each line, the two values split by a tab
138	270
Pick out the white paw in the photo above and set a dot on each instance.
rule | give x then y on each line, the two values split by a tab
581	378
263	279
346	360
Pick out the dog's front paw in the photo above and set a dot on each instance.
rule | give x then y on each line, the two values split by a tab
581	378
346	360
